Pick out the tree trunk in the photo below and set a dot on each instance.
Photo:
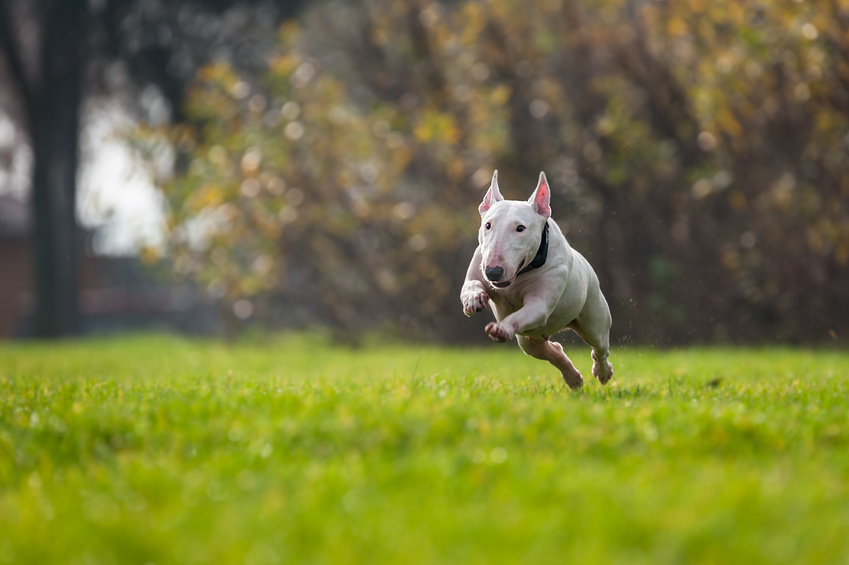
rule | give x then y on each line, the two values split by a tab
54	128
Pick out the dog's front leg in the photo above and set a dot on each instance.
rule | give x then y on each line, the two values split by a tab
533	314
473	295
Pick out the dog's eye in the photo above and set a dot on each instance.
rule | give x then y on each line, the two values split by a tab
520	228
488	225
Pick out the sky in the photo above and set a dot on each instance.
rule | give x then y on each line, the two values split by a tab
114	193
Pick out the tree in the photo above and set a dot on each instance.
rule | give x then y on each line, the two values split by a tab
50	96
57	52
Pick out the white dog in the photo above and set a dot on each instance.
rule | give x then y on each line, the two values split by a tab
537	283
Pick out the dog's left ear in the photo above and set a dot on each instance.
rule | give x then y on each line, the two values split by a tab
541	198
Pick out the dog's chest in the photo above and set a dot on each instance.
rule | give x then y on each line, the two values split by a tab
505	303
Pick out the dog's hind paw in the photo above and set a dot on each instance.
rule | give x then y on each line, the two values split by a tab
573	380
602	370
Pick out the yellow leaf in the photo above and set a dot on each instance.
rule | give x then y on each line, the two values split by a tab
728	123
500	95
737	200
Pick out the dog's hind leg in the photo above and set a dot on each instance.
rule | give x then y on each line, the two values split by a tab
602	369
596	334
552	352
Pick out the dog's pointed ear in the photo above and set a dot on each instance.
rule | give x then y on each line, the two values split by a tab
492	195
540	200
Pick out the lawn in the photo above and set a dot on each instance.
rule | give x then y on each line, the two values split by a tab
165	450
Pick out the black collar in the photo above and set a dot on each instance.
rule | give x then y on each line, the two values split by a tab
542	253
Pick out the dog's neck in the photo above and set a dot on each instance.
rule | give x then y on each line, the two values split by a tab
542	253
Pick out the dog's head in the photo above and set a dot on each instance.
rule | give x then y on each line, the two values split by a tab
510	231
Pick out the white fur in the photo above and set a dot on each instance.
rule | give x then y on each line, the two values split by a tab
562	293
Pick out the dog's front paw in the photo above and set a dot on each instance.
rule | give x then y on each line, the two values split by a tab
475	301
497	332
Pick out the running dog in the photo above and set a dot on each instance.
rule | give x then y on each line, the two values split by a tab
537	284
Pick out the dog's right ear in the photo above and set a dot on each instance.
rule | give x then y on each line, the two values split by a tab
492	195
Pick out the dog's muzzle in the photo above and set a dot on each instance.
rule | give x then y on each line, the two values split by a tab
495	274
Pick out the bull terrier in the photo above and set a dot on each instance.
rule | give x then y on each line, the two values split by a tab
537	284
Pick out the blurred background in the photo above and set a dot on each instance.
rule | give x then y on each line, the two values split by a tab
219	166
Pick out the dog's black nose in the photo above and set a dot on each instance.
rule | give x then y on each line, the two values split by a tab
494	273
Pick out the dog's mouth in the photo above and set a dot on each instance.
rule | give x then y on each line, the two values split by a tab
505	284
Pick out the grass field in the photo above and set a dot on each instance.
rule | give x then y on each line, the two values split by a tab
162	450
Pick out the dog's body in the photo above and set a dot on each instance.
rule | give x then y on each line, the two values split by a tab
537	283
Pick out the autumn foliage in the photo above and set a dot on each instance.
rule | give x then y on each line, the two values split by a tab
696	151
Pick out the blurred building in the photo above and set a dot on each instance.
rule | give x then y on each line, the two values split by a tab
116	293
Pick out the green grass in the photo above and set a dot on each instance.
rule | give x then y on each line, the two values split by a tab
162	450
